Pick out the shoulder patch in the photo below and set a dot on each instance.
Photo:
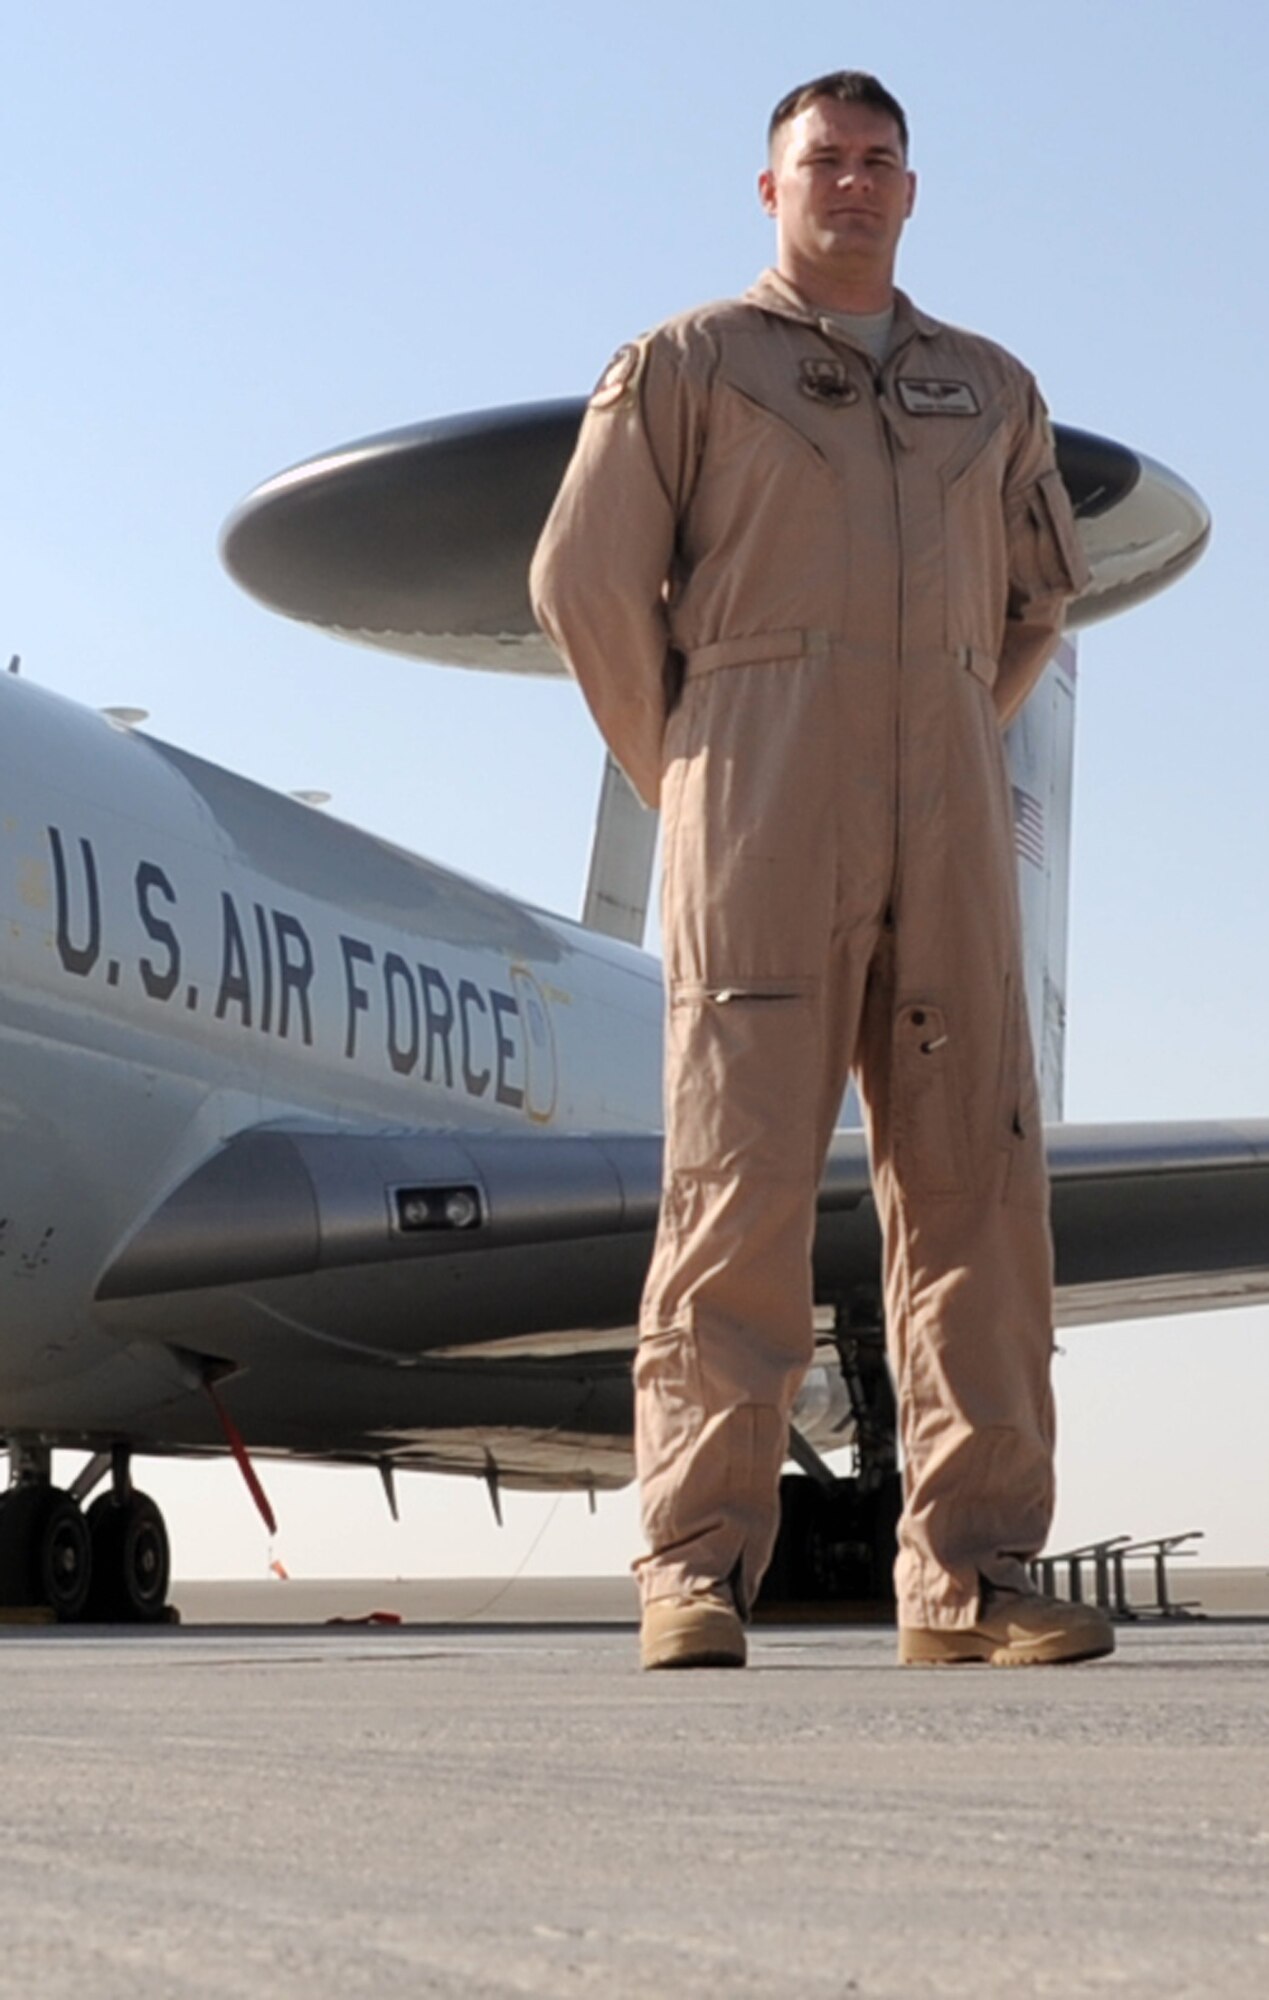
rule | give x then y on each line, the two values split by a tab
620	377
827	381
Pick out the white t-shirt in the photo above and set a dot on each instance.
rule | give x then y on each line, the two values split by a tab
871	331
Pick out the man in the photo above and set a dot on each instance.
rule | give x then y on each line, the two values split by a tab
811	553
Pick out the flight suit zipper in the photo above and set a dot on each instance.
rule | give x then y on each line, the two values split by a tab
877	373
896	852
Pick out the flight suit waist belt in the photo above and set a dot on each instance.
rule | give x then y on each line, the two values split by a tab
755	650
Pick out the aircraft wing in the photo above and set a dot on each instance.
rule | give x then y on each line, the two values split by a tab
1156	1219
490	1237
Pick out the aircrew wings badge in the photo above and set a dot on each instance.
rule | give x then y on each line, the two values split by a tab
937	399
619	377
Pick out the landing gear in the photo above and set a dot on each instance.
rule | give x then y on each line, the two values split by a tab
836	1542
45	1561
833	1547
111	1565
131	1566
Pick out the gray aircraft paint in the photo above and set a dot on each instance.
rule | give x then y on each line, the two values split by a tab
186	956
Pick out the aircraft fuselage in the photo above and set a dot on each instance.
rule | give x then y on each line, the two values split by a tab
185	955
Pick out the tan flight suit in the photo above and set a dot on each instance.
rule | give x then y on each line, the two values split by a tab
801	595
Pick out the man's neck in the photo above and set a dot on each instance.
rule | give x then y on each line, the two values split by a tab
845	291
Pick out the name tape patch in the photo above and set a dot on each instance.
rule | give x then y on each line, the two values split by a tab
922	398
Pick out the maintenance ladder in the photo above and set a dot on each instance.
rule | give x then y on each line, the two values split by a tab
1108	1562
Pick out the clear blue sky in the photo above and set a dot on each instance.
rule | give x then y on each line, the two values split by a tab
236	234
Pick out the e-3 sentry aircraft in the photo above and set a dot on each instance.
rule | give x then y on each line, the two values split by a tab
313	1148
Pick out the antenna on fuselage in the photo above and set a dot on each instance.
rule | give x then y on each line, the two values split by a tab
15	664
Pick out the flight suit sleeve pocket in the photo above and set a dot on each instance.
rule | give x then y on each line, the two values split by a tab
1059	558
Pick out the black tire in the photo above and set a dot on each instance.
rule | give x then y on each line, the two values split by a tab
45	1551
131	1563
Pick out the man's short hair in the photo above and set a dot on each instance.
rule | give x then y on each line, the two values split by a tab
845	86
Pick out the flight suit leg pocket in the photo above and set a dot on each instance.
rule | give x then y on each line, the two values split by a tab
670	1418
930	1142
709	1450
742	1065
1019	1117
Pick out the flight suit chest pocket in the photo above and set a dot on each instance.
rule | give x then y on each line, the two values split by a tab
973	445
746	426
975	548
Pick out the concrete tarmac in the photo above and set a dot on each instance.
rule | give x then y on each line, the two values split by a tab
507	1808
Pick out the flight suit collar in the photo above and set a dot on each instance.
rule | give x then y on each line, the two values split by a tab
774	294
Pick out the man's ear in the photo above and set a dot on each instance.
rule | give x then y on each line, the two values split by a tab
767	190
912	187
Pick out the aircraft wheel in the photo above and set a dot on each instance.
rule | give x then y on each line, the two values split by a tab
131	1565
45	1551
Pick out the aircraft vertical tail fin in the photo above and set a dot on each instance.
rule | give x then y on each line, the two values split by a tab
621	858
1039	753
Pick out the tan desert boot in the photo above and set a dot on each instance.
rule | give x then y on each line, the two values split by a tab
692	1632
1014	1629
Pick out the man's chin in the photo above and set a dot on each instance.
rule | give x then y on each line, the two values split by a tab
851	250
855	229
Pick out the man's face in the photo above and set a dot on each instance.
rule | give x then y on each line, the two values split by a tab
838	187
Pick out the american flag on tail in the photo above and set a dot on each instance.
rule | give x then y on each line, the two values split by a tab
1028	826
